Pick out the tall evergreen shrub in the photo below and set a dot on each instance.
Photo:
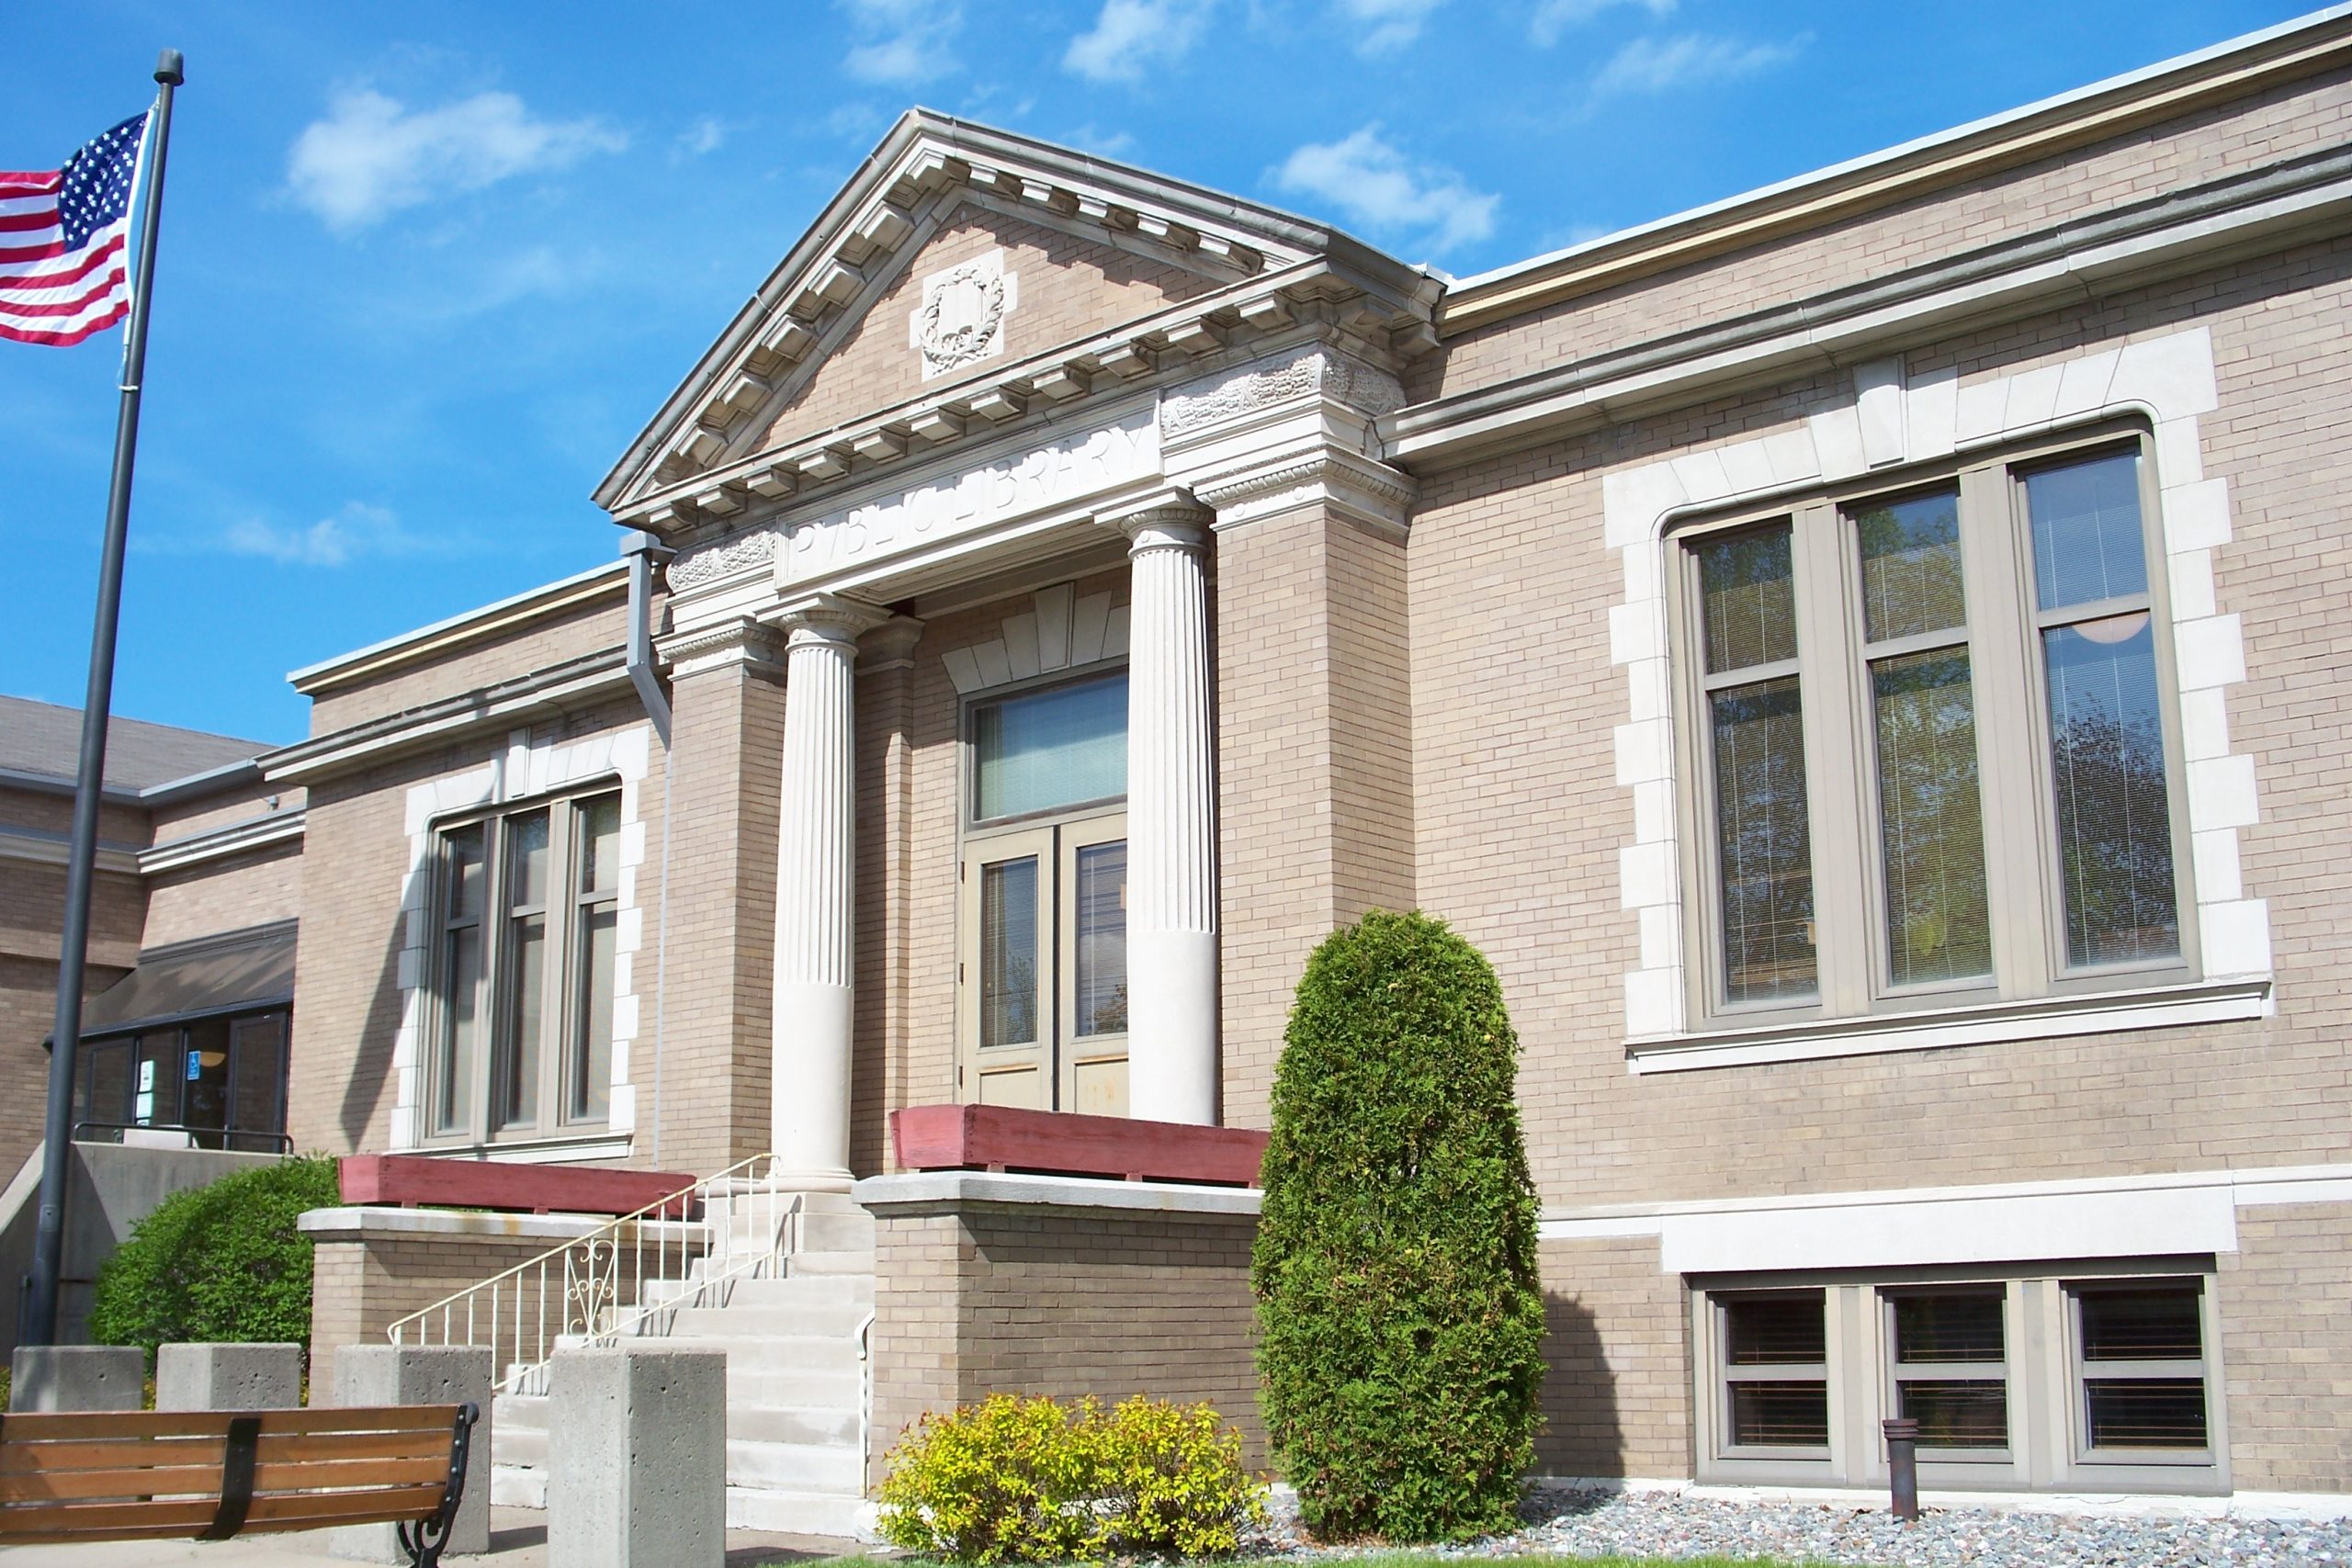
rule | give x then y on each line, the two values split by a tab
220	1263
1399	1311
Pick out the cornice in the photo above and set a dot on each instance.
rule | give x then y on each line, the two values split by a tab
576	682
2047	129
34	847
2080	260
459	631
218	843
1369	492
736	642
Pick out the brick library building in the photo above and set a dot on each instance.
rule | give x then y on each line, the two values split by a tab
1865	659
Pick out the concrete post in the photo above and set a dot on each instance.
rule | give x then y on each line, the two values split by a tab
77	1377
1172	815
229	1377
420	1374
636	1459
814	1036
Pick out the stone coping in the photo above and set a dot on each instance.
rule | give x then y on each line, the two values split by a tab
941	1191
391	1224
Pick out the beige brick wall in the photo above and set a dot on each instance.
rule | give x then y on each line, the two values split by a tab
225	894
1617	1362
245	803
998	1299
1521	817
2287	1348
1071	288
1314	766
593	626
359	1287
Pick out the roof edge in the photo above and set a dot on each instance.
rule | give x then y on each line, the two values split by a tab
2234	67
455	631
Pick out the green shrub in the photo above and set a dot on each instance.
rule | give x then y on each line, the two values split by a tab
1399	1311
1018	1479
220	1263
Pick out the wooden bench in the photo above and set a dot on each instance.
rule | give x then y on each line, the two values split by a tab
211	1474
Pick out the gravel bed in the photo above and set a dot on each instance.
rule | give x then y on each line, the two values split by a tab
1672	1525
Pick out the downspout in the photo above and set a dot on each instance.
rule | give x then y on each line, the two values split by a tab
645	552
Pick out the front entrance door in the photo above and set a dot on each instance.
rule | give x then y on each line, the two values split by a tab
1042	972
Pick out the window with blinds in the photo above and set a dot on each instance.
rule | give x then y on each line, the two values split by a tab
1865	674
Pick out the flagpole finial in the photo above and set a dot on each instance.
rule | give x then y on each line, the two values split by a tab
171	69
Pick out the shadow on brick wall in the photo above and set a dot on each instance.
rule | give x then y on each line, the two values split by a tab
1581	1434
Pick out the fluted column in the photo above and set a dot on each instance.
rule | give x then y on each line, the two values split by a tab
1172	815
815	895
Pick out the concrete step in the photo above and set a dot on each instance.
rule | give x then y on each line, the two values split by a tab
819	1426
855	1292
770	1352
794	1467
797	1513
836	1233
512	1487
830	1262
752	1386
810	1320
523	1448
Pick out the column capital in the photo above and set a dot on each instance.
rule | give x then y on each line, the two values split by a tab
831	619
737	642
891	646
1167	519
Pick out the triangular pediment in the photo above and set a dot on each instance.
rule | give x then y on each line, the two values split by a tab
958	251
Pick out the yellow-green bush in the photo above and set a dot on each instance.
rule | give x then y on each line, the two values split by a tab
1018	1479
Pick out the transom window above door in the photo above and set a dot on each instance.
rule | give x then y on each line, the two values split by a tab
1042	974
1935	744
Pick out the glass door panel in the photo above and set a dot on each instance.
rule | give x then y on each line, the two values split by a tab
1093	1037
1007	997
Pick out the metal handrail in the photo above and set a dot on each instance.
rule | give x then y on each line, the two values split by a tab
573	1293
285	1143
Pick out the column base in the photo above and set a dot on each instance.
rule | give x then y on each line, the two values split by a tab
808	1080
1171	1044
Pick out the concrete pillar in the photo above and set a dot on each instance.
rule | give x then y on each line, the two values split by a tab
636	1461
420	1374
815	894
1171	816
77	1377
229	1377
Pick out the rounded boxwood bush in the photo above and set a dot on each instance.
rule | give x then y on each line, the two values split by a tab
1027	1480
1399	1311
220	1263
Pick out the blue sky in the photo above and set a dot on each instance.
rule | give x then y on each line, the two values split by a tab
427	268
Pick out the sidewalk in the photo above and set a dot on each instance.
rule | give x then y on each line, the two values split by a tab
518	1539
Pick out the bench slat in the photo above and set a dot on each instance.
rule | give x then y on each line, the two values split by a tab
204	1479
28	1458
24	1524
63	1426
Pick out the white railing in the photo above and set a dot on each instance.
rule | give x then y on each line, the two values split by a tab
631	1277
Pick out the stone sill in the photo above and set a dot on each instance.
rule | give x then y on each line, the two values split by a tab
2042	1018
944	1191
363	1224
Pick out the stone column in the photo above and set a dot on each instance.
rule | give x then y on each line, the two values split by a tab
1172	815
815	893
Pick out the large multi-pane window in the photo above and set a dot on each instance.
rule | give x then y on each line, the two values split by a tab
527	909
2093	1377
1044	966
1935	756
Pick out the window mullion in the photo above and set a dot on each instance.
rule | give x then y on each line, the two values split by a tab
2001	655
492	1040
1833	740
563	919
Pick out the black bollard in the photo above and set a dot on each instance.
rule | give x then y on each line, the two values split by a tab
1902	1465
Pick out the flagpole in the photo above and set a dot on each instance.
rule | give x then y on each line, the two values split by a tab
39	1324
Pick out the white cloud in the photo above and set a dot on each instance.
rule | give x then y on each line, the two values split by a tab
1553	17
1132	35
1090	138
1392	24
900	43
1658	65
707	134
357	532
1375	184
372	155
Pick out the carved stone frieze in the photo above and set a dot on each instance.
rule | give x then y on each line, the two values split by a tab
1312	369
723	558
1370	492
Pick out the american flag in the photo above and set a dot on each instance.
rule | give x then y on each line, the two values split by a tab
63	235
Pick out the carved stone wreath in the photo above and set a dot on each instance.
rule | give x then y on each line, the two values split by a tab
962	311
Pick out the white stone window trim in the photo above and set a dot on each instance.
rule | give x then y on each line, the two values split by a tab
1059	631
527	769
1893	419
